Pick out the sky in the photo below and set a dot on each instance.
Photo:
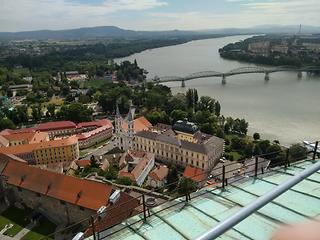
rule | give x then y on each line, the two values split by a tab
25	15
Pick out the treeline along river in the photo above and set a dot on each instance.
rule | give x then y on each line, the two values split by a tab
284	108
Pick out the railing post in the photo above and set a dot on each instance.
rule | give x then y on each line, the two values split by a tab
93	229
144	207
315	150
226	181
223	176
287	158
256	167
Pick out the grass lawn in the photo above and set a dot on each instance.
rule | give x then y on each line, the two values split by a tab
16	217
43	229
236	155
57	101
95	83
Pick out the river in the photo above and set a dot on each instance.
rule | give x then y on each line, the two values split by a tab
284	108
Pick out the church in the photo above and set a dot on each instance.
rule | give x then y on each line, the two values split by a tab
126	128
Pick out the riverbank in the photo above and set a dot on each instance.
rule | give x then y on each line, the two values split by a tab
279	109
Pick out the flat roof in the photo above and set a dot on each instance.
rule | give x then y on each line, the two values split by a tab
180	220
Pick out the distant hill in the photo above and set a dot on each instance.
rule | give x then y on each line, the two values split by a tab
116	32
91	33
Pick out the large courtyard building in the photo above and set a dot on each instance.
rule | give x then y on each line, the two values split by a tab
182	145
63	198
88	133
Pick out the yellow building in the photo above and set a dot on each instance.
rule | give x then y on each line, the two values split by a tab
15	139
181	147
48	152
63	150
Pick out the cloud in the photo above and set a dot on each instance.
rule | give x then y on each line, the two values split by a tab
17	15
37	14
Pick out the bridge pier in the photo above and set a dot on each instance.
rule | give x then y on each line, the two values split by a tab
183	84
299	75
224	80
266	76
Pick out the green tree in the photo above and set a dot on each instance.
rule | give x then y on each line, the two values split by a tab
256	136
22	114
75	112
238	143
173	177
6	123
51	109
186	185
192	97
124	181
178	115
36	113
207	128
111	173
257	150
297	152
264	145
206	103
248	150
217	108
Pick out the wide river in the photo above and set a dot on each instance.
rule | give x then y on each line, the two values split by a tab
284	108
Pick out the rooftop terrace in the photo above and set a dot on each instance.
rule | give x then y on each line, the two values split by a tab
179	219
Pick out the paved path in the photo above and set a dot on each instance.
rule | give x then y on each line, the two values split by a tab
24	231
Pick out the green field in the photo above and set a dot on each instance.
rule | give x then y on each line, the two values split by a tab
43	229
15	216
94	83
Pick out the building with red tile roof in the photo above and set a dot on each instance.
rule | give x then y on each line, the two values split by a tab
139	124
64	198
157	178
57	125
55	151
58	128
196	174
101	131
136	165
26	138
3	142
124	208
88	133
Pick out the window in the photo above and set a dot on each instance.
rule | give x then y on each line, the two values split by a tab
62	202
81	208
38	194
19	189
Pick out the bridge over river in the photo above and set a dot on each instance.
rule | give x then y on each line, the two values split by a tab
237	71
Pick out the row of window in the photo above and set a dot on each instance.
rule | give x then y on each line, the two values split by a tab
168	155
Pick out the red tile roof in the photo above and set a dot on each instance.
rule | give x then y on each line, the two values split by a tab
83	163
29	137
139	124
10	131
117	213
196	174
49	126
159	173
98	123
86	135
27	148
85	193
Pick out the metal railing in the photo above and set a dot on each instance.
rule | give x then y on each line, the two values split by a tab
99	232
